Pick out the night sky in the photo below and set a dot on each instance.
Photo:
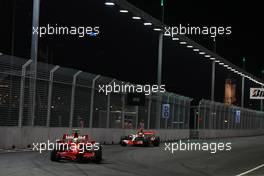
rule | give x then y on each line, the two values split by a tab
127	50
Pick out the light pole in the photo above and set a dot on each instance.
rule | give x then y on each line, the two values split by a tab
13	29
34	57
159	74
243	84
261	101
213	74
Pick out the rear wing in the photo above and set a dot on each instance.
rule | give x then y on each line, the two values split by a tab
80	137
149	133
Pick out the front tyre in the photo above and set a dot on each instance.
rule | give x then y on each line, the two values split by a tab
54	155
79	158
122	143
98	155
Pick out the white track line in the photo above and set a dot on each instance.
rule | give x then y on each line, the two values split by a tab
15	151
251	170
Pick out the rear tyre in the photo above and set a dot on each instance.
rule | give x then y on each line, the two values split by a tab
145	142
122	143
98	155
156	142
54	155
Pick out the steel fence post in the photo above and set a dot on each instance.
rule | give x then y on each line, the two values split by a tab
226	116
261	101
221	124
149	111
262	120
158	110
243	119
189	111
92	101
178	114
211	116
123	110
166	120
230	117
172	114
136	126
215	118
183	114
22	93
73	97
108	107
196	113
248	120
198	120
204	118
218	116
50	93
250	115
108	111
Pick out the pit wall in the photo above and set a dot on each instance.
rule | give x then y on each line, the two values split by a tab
25	136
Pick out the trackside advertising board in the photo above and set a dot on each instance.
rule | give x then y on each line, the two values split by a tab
257	93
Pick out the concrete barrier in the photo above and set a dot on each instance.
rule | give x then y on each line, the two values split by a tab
204	134
22	137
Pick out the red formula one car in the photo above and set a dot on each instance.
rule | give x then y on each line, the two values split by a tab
141	139
76	148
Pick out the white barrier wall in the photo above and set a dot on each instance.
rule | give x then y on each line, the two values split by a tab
203	134
22	137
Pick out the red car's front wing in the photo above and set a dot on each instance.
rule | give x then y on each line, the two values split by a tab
130	142
72	155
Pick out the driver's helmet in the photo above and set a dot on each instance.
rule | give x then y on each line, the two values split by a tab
75	140
140	133
76	134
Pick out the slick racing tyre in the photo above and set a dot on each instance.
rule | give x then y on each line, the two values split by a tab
54	155
79	157
145	142
122	143
156	142
98	155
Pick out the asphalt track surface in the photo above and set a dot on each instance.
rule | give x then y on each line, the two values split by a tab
246	154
